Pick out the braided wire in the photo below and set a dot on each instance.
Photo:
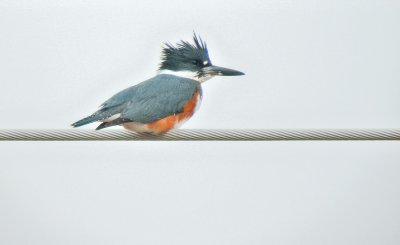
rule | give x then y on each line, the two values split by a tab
200	135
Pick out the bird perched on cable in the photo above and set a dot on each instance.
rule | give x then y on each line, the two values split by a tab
167	100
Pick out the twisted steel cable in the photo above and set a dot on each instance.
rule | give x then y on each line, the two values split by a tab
200	135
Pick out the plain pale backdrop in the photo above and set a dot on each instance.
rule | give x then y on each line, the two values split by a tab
308	64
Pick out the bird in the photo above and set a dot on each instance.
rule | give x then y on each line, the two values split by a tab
168	99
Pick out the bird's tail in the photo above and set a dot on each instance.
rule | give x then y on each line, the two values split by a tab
99	115
86	120
117	121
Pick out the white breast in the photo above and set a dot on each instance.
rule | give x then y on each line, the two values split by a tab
198	103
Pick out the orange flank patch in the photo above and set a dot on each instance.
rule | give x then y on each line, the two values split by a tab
169	122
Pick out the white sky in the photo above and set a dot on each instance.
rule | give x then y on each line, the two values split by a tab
308	64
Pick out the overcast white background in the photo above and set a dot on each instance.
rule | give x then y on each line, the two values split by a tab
308	64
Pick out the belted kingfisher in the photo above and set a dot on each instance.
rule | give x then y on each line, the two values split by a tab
167	100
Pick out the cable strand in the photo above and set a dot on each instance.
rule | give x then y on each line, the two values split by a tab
200	135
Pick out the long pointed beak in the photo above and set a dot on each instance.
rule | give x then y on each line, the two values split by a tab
221	71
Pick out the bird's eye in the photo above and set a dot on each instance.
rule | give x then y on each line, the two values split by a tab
197	62
201	63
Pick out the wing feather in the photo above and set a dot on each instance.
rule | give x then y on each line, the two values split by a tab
159	98
151	100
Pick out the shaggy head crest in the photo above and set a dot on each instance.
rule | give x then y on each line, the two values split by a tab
185	56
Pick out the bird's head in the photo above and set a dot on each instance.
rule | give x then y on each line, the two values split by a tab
191	61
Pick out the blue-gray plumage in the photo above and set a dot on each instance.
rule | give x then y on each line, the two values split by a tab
164	101
148	101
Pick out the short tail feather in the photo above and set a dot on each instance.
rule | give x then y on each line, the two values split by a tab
84	121
97	116
113	123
